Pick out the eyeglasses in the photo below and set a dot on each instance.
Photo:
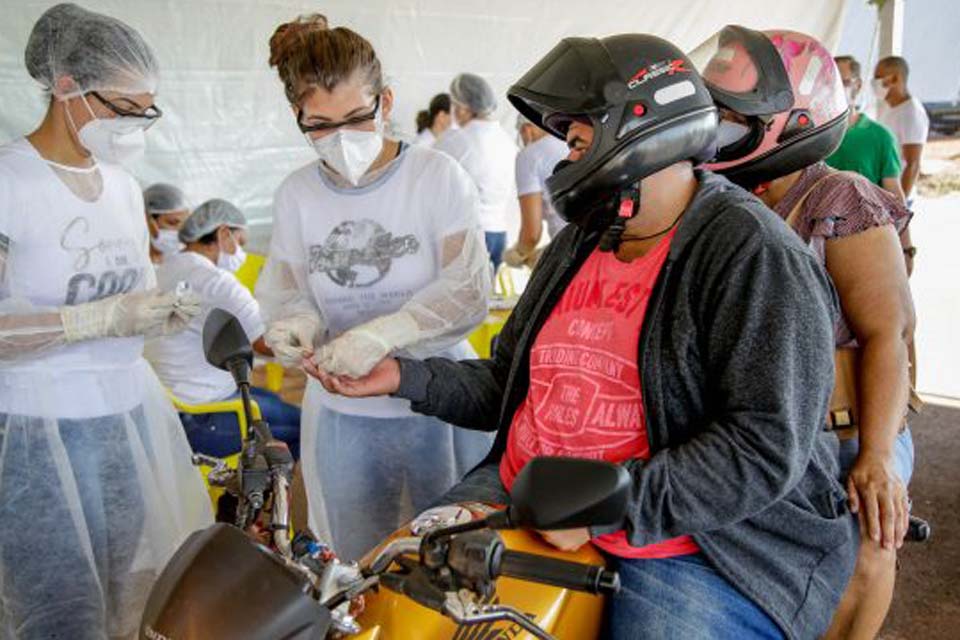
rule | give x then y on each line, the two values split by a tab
151	113
349	122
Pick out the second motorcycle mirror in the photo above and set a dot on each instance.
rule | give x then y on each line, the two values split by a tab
568	493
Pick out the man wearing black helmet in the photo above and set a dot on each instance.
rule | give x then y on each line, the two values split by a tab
677	328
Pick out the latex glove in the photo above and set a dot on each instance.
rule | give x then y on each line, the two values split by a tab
357	351
292	339
514	257
144	313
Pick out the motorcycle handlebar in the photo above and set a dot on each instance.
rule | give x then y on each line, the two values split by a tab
558	573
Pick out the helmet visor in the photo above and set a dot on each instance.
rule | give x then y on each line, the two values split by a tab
746	74
568	80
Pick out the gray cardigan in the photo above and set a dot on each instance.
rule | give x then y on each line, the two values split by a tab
736	355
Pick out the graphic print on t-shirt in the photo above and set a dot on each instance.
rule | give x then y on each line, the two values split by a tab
104	266
360	253
584	398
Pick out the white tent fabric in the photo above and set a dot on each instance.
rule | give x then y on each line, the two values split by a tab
227	130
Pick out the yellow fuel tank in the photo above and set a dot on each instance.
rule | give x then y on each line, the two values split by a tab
566	614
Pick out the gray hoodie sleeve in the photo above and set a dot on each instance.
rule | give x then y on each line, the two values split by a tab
766	347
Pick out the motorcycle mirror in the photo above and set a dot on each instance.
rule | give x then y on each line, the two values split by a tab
221	584
568	493
227	346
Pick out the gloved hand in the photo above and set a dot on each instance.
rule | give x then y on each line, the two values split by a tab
355	353
143	313
292	339
516	258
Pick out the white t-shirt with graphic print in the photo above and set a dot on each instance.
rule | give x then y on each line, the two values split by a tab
61	250
369	249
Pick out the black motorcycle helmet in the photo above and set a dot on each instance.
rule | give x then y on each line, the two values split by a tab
648	107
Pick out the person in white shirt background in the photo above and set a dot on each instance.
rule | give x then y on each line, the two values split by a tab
166	208
214	236
488	155
376	249
436	120
96	485
535	163
903	114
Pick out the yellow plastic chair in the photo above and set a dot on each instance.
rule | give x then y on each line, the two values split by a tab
501	305
234	406
249	271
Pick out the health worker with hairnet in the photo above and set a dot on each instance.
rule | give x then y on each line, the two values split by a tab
166	208
487	153
96	485
376	249
214	236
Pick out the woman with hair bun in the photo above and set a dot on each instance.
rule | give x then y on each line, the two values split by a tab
376	250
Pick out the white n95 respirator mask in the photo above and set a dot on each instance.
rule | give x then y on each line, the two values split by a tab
118	140
350	152
113	140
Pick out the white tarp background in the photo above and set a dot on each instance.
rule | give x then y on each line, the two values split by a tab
227	130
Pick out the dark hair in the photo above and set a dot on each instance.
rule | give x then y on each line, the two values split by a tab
210	238
852	63
423	120
307	53
897	63
439	103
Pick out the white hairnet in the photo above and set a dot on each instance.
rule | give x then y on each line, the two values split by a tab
475	93
208	217
163	198
97	51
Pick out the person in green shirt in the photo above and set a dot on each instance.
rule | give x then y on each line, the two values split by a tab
868	147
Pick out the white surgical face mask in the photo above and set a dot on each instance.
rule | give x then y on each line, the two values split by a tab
729	132
851	93
167	242
878	89
232	261
349	152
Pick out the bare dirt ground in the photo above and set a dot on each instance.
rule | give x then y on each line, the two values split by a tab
940	167
927	599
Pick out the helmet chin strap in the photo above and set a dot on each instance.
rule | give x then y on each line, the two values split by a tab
629	207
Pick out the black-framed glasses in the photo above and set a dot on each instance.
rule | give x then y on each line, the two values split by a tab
151	114
349	122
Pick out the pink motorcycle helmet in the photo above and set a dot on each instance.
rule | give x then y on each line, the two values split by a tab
781	103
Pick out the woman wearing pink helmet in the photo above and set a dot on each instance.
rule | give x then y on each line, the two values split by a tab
783	111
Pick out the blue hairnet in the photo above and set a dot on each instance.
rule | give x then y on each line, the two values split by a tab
163	198
209	217
475	93
97	51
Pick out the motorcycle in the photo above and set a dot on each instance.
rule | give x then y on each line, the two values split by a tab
462	572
